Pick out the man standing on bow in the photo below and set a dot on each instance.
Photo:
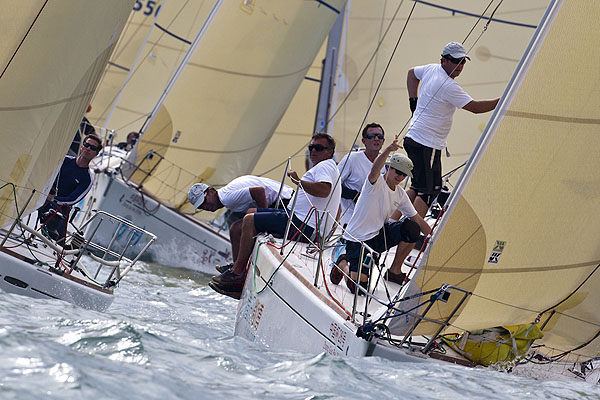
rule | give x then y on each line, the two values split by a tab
438	98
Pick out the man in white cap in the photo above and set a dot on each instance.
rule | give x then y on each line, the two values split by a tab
380	197
239	195
434	96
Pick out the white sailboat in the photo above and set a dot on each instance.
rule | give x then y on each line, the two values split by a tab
502	255
51	59
222	106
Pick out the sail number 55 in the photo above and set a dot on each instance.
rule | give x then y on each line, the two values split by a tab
147	6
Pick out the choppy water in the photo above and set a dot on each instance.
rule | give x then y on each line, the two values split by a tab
168	335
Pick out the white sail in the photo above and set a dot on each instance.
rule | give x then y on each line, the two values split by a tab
522	231
231	95
431	26
51	58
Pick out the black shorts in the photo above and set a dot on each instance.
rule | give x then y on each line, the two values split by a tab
389	236
274	221
427	171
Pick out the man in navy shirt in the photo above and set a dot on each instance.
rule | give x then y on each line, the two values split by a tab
73	182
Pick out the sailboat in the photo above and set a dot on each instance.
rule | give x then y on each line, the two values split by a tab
51	59
505	254
207	99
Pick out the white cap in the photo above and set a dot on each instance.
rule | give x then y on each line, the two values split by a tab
455	50
401	163
197	194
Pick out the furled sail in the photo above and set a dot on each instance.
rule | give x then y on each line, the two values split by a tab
522	229
233	92
52	55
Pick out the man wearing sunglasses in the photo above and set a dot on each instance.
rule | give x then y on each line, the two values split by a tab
355	166
434	96
73	182
318	189
380	197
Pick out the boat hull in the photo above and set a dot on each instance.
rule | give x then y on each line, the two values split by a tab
181	241
284	313
39	282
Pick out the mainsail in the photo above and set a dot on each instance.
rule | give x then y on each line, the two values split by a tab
52	55
522	229
431	25
230	97
371	30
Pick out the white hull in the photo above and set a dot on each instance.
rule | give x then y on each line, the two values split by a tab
182	242
291	313
40	282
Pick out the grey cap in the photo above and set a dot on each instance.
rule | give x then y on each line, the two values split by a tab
401	163
197	194
456	50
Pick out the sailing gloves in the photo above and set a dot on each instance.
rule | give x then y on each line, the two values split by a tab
412	101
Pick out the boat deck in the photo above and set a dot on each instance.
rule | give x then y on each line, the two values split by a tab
303	262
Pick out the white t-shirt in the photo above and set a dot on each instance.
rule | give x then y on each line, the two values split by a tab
439	97
236	194
375	206
352	175
325	171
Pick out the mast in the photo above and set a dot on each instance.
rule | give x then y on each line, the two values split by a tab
328	75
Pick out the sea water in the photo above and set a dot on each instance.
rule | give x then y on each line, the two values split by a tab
169	336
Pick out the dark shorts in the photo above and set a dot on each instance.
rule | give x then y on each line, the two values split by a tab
233	216
389	236
274	221
427	171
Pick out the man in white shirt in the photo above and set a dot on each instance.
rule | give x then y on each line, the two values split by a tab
355	166
438	98
380	197
319	193
239	195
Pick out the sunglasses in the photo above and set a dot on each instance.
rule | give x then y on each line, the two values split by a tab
399	172
453	60
91	146
317	147
374	135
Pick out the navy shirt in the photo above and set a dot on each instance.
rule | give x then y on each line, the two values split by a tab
74	182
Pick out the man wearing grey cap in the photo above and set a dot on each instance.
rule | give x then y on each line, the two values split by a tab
380	197
238	196
434	96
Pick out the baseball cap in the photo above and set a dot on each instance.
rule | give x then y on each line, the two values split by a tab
401	163
197	194
456	50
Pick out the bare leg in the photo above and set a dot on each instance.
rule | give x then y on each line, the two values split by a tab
402	251
235	233
420	206
344	267
363	277
246	244
411	194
